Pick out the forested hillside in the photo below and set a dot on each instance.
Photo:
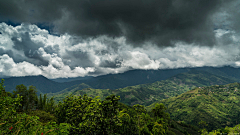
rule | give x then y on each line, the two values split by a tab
43	84
22	112
199	98
217	105
111	81
227	130
115	81
205	107
146	94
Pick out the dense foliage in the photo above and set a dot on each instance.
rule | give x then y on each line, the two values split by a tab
206	107
92	116
217	105
25	113
15	121
146	94
227	130
89	115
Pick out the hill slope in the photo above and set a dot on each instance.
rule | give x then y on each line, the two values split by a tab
147	94
111	81
217	105
43	84
115	81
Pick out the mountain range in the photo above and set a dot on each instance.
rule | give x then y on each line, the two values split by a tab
191	95
114	81
146	94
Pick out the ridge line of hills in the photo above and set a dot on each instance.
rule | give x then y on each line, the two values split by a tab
116	81
146	94
190	95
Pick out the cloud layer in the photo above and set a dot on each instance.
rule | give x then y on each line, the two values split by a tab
161	22
59	38
27	49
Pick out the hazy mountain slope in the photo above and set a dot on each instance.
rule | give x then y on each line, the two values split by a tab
43	84
226	71
70	79
147	76
217	105
115	81
68	91
130	78
147	94
111	81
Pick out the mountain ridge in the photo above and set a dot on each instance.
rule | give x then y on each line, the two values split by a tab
146	94
115	81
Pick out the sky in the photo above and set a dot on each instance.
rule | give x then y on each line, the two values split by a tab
60	39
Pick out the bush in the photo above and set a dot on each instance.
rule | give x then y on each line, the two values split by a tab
44	116
21	124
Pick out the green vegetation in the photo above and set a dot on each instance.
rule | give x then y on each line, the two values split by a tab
59	96
82	115
116	81
146	94
217	105
84	110
227	130
14	121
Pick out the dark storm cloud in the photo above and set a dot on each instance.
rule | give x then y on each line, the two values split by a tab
10	53
29	48
110	64
52	49
12	10
78	58
26	44
226	39
163	22
234	13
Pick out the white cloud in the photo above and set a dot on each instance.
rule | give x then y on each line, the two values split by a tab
138	60
9	68
39	52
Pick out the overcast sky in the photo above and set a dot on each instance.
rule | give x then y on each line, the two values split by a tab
71	38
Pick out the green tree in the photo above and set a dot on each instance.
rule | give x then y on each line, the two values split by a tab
158	129
22	91
29	97
45	103
3	92
160	111
90	115
139	111
15	123
162	119
32	97
50	105
40	105
110	111
129	125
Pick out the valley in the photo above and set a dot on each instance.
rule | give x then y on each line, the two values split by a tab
189	95
146	94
